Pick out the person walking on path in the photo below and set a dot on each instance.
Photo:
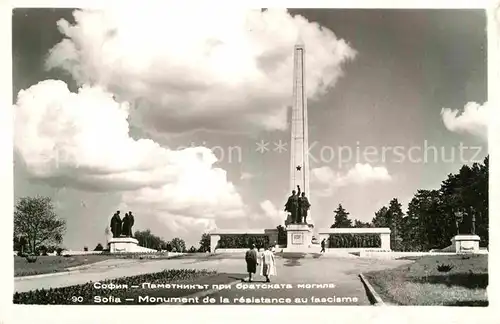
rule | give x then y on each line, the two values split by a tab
251	259
268	267
323	245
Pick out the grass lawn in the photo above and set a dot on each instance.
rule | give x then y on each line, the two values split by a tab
421	283
50	264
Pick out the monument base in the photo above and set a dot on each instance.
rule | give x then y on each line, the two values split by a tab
123	245
465	243
299	237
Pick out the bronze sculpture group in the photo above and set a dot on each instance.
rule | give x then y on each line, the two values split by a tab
122	227
297	205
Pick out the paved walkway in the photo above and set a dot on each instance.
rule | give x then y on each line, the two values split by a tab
341	272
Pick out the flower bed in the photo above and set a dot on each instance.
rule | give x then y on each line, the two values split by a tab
120	289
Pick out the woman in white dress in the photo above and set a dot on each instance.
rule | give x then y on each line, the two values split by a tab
268	264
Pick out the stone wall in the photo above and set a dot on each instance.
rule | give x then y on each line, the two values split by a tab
322	233
216	235
384	232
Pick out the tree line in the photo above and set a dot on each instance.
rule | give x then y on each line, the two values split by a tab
151	241
433	217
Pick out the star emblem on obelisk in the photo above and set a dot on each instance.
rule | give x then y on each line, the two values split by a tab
299	167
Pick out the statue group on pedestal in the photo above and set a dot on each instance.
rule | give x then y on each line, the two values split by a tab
297	205
464	216
122	227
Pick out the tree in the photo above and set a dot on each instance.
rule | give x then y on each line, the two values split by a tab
465	201
481	206
98	247
380	219
178	244
360	224
460	205
395	217
426	222
205	242
36	220
391	217
149	240
341	218
41	250
20	244
466	194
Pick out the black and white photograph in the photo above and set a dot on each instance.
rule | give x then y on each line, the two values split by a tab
166	155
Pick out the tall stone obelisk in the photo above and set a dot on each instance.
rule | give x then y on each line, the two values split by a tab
299	144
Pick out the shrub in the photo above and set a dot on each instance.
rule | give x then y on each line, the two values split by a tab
98	247
59	251
354	241
31	258
85	248
63	296
238	241
41	250
444	267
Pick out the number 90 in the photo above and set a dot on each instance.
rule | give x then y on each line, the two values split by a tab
77	299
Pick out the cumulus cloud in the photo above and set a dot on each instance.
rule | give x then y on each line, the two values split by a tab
81	140
328	180
232	72
268	216
472	120
186	227
246	176
271	212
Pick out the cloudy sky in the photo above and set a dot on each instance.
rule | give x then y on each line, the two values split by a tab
182	116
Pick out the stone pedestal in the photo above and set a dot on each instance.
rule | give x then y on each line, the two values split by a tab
299	237
465	243
123	245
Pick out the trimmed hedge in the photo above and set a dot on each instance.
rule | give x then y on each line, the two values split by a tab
354	241
242	241
84	294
